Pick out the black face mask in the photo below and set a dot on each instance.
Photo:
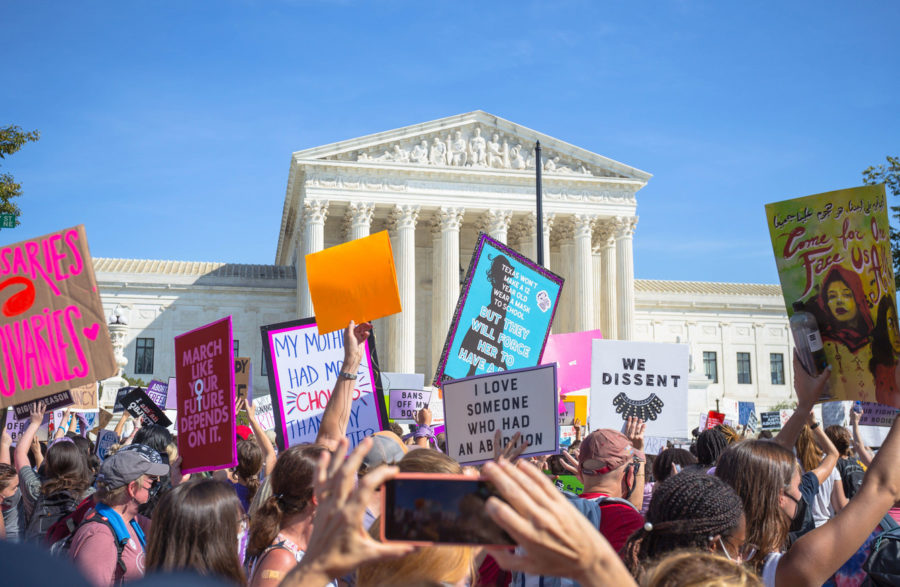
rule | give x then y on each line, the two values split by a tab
799	514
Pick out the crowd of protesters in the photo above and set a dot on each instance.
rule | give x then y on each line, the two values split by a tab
806	507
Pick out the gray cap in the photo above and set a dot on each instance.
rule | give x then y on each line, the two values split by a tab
126	466
387	449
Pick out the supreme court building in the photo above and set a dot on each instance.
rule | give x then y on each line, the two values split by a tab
434	186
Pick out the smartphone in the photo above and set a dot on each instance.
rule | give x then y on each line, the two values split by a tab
428	508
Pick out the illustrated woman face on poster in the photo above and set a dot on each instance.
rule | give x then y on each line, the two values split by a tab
885	350
846	313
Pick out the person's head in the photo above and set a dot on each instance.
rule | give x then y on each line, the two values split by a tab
291	482
710	444
155	436
690	510
766	477
730	433
499	269
9	481
396	429
698	569
65	468
250	462
608	462
808	453
885	336
764	435
125	479
198	526
669	460
387	449
424	460
445	565
840	438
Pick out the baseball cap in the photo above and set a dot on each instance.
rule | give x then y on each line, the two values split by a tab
387	449
243	432
604	450
145	451
127	465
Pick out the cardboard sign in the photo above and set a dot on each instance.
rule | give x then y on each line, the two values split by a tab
53	327
572	354
503	316
15	427
406	403
171	398
204	372
371	294
140	405
243	378
303	368
158	393
744	411
104	418
519	400
647	380
713	419
85	398
52	402
105	440
265	415
118	406
833	253
770	420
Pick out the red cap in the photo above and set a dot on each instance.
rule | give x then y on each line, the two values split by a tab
604	450
244	432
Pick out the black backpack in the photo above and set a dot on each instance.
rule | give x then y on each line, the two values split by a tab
883	564
852	475
48	510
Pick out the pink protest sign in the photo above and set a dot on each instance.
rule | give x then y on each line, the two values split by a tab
572	354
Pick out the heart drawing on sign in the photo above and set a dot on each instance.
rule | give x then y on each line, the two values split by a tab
92	331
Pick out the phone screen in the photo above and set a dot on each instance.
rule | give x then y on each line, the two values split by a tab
439	509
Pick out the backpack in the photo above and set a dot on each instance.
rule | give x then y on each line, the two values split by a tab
67	525
62	545
883	564
852	475
48	510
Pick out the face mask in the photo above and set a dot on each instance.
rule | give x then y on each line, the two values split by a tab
799	514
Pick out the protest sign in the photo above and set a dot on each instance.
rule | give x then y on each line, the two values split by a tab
372	292
580	403
572	354
51	402
104	418
15	427
264	413
784	415
713	419
503	316
86	421
436	405
84	398
569	483
877	415
243	378
833	253
653	445
406	403
140	405
643	379
566	414
519	400
752	424
204	372
391	381
770	420
171	398
834	414
105	440
744	411
303	368
158	393
54	333
118	406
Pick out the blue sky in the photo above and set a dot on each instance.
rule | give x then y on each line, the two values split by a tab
167	127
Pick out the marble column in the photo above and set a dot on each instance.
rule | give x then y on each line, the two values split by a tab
548	224
402	225
358	220
495	223
314	214
437	337
605	279
583	266
563	233
450	220
625	276
522	235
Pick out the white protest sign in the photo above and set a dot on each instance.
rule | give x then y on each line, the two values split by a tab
521	400
647	380
436	405
264	414
404	404
105	439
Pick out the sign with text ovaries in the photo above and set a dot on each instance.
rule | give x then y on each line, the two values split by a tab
204	374
643	379
303	367
503	315
833	253
520	400
53	334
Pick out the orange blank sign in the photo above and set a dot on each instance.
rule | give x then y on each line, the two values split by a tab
353	281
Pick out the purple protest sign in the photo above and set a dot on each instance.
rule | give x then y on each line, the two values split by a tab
158	392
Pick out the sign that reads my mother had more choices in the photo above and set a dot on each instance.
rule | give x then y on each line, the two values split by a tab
503	316
303	368
647	380
204	376
520	400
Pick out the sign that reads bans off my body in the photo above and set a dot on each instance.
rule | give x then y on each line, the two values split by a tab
521	400
643	379
303	368
204	376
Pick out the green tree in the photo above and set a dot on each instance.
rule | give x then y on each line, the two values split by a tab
134	381
889	175
11	140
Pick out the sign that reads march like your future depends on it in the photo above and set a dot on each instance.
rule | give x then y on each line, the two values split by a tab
503	316
303	368
520	400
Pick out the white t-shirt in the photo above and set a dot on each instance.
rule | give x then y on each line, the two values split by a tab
821	506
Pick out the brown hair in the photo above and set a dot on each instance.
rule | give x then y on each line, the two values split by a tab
693	568
731	435
7	474
840	438
427	460
809	454
115	496
250	462
66	469
195	527
292	492
759	470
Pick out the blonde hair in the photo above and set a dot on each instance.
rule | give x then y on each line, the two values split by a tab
695	568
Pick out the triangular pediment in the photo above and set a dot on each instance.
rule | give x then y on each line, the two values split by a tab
475	140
